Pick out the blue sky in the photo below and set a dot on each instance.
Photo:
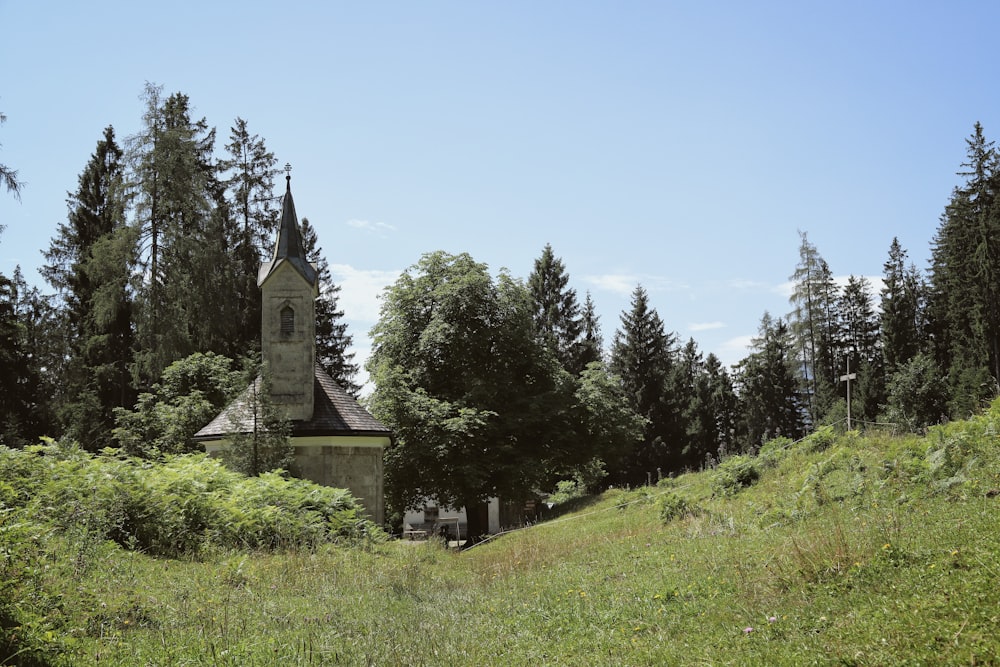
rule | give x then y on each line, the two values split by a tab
681	146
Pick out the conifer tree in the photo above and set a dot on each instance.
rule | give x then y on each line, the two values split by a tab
260	436
591	343
643	356
89	261
182	245
813	325
902	319
332	340
965	281
767	387
556	312
8	176
859	347
253	215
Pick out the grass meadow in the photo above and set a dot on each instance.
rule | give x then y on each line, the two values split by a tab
840	549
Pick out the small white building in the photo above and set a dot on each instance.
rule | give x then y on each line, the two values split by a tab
432	519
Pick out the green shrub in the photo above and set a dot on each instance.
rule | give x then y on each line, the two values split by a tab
734	473
177	506
673	506
821	439
773	451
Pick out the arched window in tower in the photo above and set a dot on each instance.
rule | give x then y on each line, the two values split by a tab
287	321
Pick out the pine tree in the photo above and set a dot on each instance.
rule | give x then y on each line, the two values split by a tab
813	324
556	312
642	356
859	347
965	281
332	340
8	176
254	213
591	343
182	245
902	320
88	263
767	387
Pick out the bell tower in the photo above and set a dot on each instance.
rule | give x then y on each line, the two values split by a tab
289	286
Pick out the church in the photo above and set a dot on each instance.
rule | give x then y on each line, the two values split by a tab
336	441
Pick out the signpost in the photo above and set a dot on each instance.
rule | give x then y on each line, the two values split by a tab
847	378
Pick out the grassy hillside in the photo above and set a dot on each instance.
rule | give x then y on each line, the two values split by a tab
838	549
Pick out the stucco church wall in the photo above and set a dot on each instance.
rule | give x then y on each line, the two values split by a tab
356	468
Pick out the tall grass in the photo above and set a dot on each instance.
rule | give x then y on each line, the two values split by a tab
839	549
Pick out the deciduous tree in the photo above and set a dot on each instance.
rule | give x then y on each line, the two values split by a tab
478	406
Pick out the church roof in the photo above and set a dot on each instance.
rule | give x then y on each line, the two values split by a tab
335	412
288	246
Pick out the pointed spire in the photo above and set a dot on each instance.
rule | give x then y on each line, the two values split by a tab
288	245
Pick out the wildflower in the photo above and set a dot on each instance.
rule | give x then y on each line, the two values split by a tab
747	630
886	546
583	594
657	596
772	619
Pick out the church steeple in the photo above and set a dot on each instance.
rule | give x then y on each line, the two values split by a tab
289	286
288	245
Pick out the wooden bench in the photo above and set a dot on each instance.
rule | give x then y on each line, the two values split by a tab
411	533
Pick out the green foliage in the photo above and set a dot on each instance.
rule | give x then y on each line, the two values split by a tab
821	439
478	406
767	387
673	506
189	394
566	491
773	451
642	357
830	557
556	312
183	505
260	435
735	473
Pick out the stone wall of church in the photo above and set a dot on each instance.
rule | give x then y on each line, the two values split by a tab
358	469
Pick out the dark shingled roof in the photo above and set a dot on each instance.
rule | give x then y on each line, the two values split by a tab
335	412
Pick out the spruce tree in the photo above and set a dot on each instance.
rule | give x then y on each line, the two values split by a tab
591	347
8	176
249	170
859	347
89	261
182	245
965	281
556	312
901	309
768	388
642	356
332	340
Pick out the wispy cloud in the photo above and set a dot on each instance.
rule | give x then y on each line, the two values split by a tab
380	228
625	283
706	326
744	284
734	350
360	290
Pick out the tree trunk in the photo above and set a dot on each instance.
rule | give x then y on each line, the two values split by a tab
477	526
